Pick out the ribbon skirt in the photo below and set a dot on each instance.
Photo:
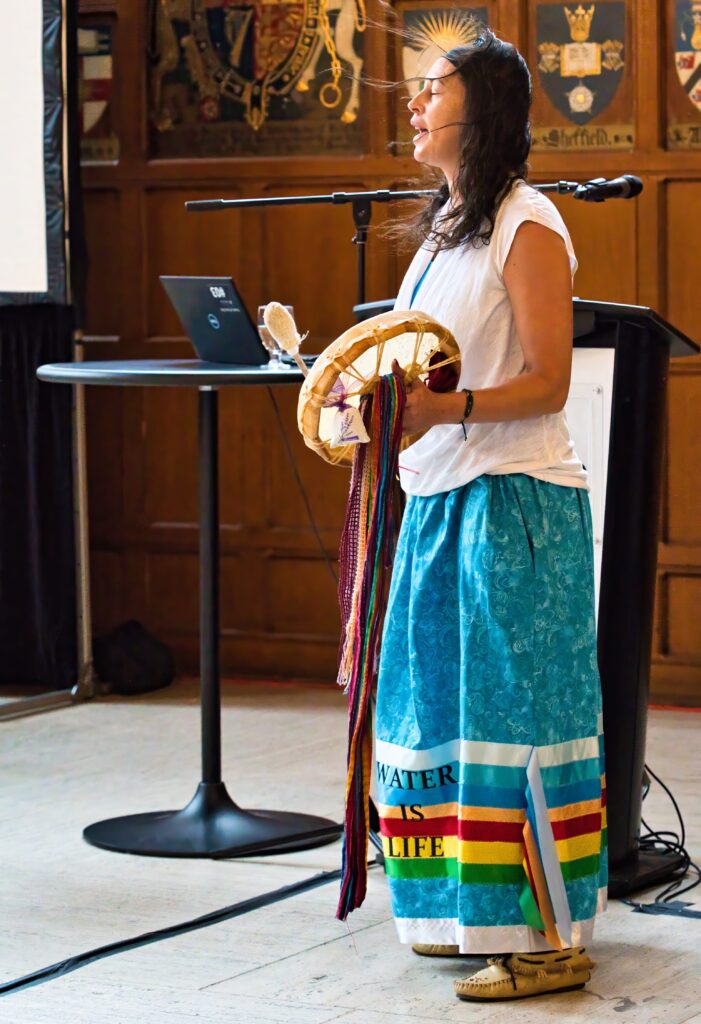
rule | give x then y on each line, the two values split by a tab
490	761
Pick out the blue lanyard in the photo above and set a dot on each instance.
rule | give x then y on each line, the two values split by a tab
418	284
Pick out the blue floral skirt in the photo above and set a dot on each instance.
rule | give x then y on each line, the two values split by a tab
489	750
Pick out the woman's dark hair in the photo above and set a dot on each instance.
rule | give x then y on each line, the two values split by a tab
494	142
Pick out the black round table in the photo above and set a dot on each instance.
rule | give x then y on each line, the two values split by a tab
212	824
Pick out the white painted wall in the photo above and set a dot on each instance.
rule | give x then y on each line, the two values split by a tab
23	256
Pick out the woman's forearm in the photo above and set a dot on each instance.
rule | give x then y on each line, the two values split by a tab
529	394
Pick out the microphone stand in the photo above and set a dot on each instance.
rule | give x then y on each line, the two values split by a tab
361	203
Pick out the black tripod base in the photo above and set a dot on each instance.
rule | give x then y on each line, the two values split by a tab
212	825
645	870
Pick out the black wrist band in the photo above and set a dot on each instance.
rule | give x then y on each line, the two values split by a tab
469	399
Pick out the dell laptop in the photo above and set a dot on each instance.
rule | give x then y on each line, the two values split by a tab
218	324
216	320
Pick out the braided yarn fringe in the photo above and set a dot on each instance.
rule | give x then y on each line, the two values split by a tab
365	556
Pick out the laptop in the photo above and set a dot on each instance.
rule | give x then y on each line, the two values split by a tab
217	322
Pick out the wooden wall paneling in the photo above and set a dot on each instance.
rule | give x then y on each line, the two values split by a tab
604	239
650	247
677	664
105	435
168	447
325	486
308	607
297	243
683	247
114	232
648	44
684	464
178	242
378	69
676	671
297	270
174	584
684	602
97	6
511	22
103	303
132	594
106	580
244	429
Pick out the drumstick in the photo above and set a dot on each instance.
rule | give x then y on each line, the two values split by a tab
284	330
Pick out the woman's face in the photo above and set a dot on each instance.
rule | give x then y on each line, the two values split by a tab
435	111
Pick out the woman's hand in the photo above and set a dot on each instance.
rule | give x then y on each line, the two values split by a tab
424	408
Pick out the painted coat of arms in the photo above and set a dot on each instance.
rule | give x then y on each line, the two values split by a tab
687	56
98	139
259	64
581	56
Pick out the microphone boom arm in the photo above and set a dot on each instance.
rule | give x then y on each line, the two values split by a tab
595	190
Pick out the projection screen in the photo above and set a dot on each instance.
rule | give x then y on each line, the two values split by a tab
32	184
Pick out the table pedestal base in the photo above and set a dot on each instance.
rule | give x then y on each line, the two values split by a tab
212	825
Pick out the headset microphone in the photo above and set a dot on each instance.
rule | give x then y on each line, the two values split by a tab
393	146
451	124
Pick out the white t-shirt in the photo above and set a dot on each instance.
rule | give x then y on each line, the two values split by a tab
464	290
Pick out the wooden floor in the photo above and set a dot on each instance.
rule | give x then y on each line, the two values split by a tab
294	963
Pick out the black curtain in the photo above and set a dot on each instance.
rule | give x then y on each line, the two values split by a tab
37	564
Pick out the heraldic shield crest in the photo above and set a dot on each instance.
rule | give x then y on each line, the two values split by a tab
687	55
251	54
581	56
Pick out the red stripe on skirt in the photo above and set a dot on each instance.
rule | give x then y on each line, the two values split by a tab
491	831
418	827
571	827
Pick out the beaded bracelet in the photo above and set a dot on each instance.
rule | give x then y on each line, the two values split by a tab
468	409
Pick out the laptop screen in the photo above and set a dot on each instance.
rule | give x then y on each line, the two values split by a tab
216	320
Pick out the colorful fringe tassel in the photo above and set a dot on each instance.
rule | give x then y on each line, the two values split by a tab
365	556
543	896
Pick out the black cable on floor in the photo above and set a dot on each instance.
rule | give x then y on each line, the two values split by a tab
74	963
670	842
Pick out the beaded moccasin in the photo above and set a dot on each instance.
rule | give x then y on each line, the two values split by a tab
521	975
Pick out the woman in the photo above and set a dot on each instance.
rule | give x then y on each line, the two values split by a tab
488	719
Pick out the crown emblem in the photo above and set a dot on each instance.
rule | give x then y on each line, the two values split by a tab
580	22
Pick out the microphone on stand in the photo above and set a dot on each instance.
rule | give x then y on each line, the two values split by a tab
599	189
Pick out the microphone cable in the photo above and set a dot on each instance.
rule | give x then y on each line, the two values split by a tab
667	841
74	963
